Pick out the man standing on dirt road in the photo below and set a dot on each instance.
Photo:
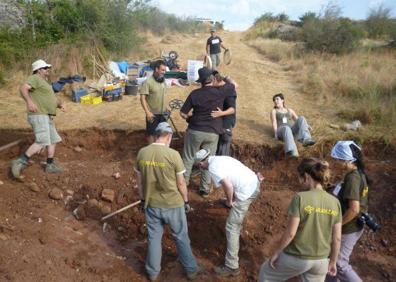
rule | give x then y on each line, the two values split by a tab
41	107
152	98
241	186
213	48
164	199
203	130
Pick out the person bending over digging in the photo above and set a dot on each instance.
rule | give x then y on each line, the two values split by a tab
281	119
41	106
241	186
313	231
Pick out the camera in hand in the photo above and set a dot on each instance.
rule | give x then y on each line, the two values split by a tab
365	218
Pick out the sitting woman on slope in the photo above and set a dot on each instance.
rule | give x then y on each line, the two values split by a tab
313	231
281	118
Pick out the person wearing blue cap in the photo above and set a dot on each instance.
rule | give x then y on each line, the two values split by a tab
353	196
164	200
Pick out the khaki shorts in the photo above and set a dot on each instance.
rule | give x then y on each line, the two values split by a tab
44	130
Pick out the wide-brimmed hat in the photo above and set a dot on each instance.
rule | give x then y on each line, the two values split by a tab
204	73
39	64
163	127
342	151
201	155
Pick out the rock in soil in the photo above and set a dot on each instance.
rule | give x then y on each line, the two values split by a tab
108	195
78	149
79	212
105	209
56	194
34	187
1	182
116	175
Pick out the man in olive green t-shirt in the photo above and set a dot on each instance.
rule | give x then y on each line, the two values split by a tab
164	199
41	106
152	98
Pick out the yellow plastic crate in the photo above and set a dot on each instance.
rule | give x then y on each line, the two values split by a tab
86	99
96	100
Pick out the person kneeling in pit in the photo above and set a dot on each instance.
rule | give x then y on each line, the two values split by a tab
241	186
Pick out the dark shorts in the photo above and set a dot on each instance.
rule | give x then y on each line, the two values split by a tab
151	126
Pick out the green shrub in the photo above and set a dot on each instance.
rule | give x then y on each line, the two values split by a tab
330	33
379	22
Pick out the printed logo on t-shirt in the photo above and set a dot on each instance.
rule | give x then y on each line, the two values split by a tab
151	163
310	209
215	41
365	192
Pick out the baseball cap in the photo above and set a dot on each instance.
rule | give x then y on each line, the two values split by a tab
212	29
201	155
163	127
39	64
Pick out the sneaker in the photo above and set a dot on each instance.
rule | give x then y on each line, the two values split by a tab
225	271
52	168
308	142
292	154
16	166
196	273
153	278
203	194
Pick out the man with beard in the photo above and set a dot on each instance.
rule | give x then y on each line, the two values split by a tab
152	98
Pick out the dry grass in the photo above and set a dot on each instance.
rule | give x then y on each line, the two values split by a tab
275	49
360	85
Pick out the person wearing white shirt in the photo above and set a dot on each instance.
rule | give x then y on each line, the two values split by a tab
241	186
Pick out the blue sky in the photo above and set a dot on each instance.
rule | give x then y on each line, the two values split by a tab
240	14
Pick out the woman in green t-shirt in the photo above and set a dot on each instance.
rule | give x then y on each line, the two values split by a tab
313	231
353	195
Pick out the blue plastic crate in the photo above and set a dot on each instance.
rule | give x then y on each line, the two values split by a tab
113	92
78	93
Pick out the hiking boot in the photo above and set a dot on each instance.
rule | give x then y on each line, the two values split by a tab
225	271
52	168
308	142
16	166
196	273
203	194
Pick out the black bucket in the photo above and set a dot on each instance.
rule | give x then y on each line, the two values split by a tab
131	88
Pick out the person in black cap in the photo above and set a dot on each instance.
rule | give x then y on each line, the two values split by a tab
203	130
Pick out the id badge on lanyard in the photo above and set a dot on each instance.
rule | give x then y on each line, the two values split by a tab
284	120
337	189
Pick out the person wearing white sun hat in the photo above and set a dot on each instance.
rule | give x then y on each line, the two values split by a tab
41	106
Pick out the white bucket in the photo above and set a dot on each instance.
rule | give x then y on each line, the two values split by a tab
192	69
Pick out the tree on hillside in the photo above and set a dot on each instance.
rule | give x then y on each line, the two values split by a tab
379	22
329	32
